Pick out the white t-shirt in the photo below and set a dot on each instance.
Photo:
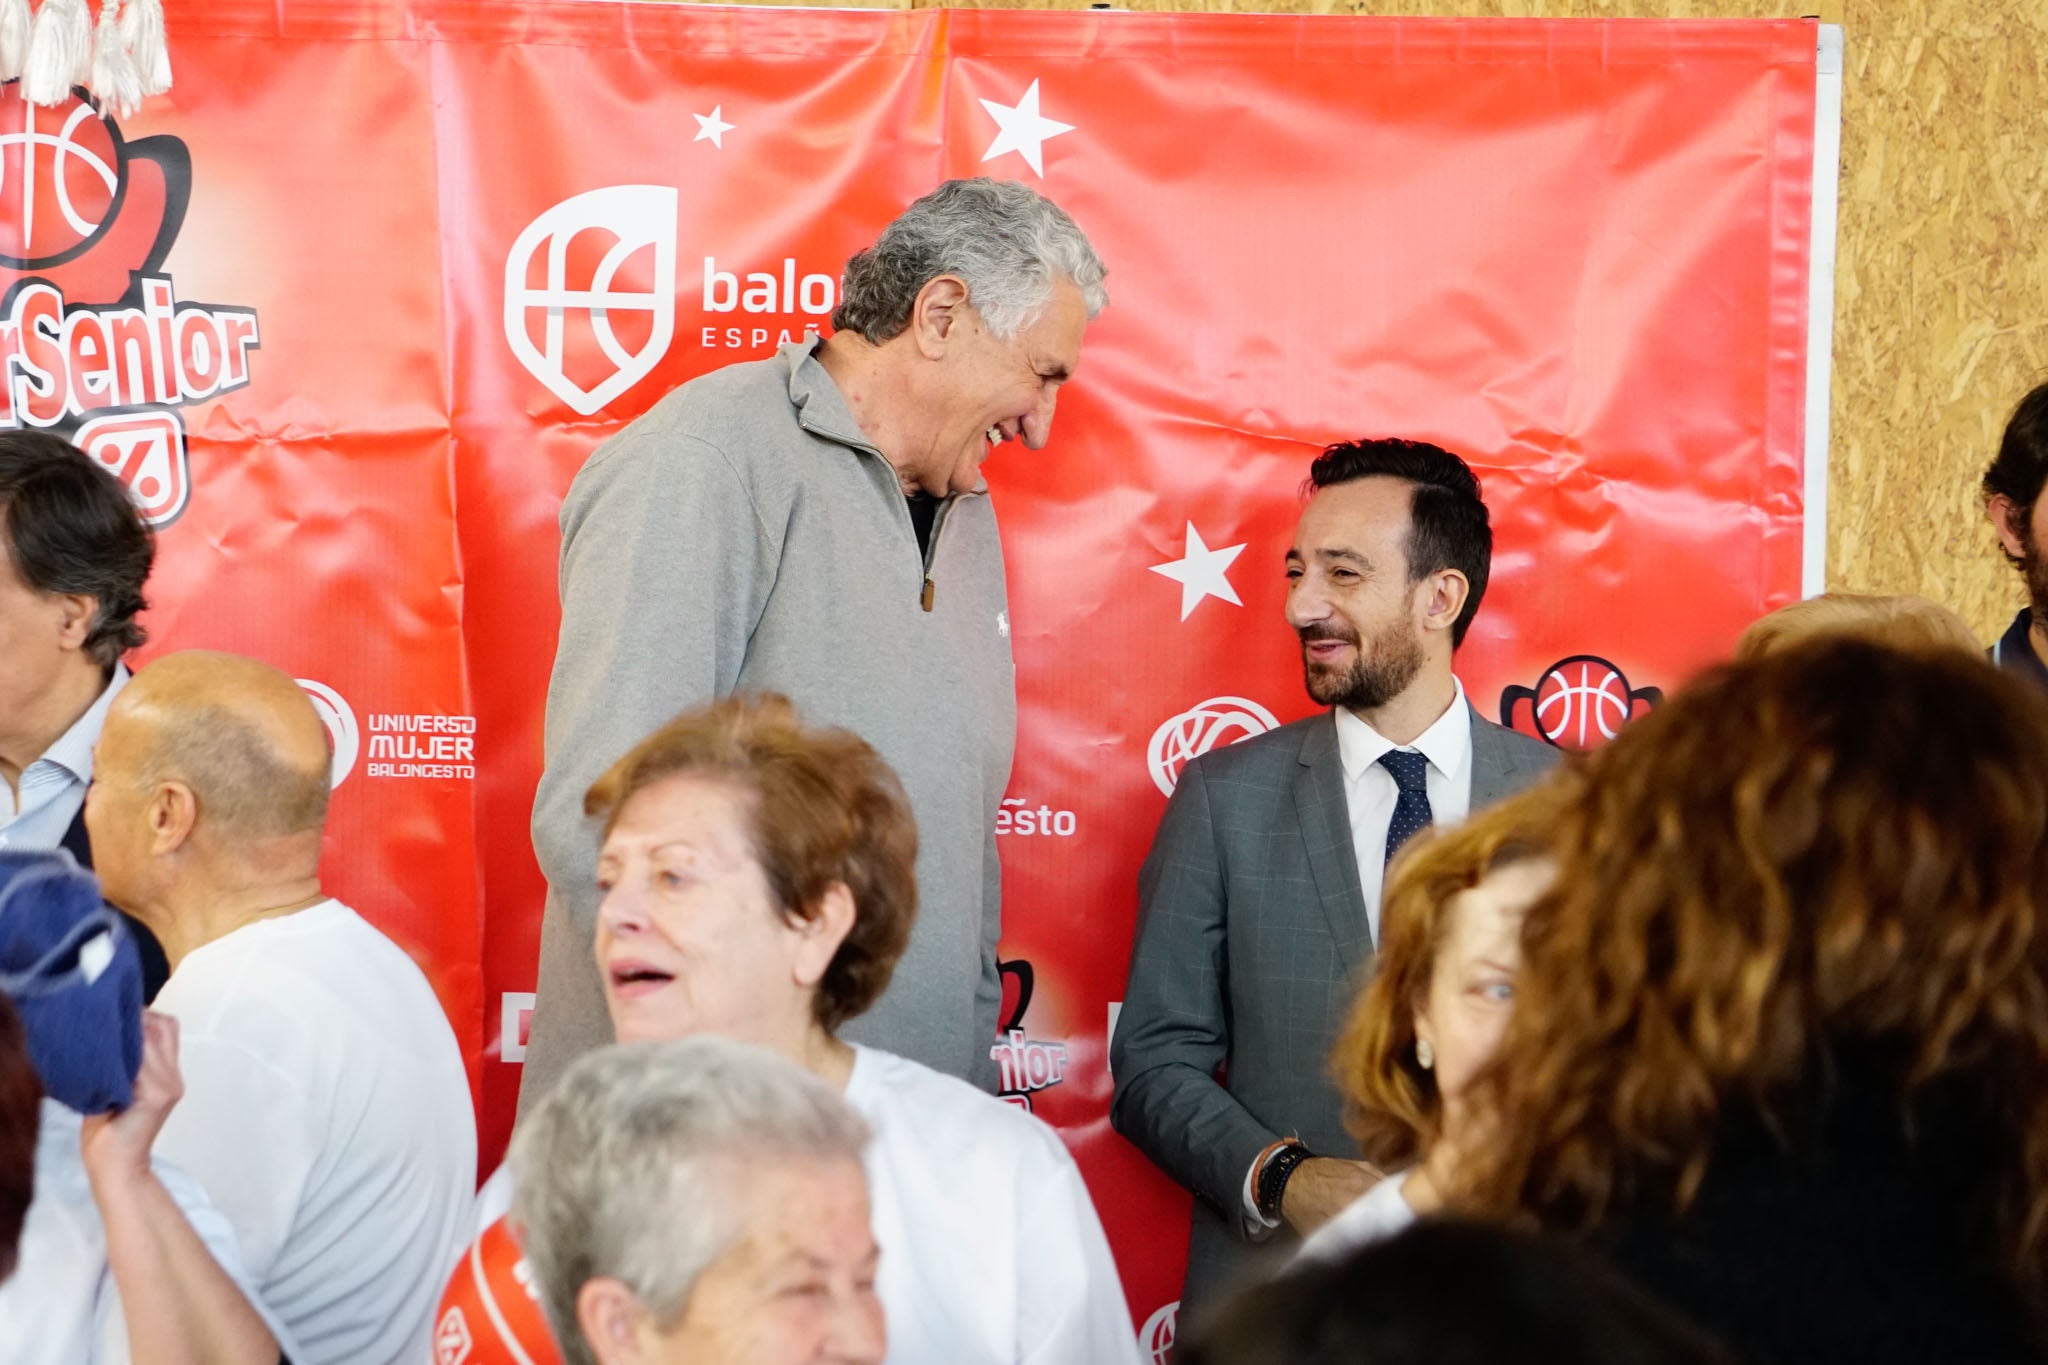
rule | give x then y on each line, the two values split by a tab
991	1250
61	1307
1381	1212
327	1114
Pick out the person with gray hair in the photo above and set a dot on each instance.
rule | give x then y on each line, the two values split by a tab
816	524
699	1200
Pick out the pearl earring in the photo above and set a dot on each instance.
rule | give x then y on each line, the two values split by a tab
1425	1055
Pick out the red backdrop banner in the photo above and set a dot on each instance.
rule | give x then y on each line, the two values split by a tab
349	308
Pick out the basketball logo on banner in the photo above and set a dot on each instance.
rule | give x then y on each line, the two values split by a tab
1156	1336
94	342
1579	702
146	452
575	270
65	180
340	719
1197	730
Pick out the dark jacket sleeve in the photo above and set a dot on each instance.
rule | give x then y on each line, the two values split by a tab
1174	1030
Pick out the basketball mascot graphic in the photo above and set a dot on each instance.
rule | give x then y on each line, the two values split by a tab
1579	703
94	342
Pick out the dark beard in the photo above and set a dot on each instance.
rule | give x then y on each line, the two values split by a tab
1377	675
2035	566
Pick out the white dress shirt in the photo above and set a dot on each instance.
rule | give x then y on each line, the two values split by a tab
1370	791
1369	796
53	787
1380	1213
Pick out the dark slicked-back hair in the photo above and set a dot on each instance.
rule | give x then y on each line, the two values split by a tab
70	527
2022	464
1448	526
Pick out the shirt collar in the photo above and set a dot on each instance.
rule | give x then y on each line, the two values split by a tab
820	408
1447	743
73	750
2015	649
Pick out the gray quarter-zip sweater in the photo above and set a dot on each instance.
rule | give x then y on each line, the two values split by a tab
743	535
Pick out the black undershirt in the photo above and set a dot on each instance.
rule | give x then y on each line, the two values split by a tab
924	511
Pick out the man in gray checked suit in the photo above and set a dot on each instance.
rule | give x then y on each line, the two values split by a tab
1259	902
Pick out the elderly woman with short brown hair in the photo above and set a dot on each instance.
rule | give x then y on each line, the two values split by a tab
758	883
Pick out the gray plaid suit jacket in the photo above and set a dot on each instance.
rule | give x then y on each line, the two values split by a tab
1252	944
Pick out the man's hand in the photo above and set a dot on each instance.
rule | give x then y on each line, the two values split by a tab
115	1147
1322	1187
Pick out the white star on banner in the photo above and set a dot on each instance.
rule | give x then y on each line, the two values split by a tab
1023	130
1201	572
713	126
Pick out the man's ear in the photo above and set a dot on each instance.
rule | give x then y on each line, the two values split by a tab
1443	596
938	313
78	611
173	811
2009	519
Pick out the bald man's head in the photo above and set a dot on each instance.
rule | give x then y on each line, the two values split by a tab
240	734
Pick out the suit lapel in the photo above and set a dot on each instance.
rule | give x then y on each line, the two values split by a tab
75	841
1493	766
1325	821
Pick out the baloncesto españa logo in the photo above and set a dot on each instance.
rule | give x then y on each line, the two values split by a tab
94	342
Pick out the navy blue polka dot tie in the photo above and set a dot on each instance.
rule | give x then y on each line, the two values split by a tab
1411	808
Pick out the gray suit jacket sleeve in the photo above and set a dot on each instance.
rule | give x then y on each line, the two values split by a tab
1174	1030
666	566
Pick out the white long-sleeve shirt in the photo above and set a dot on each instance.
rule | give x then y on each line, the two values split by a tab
61	1306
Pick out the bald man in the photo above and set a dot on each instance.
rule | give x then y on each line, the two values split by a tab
326	1105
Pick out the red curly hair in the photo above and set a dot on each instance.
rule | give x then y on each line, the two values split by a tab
1838	849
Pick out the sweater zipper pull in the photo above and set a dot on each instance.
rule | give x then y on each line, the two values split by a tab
924	599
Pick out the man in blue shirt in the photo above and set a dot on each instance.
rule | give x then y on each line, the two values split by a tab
2012	497
74	555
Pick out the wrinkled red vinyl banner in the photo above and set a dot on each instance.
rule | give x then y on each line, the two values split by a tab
350	307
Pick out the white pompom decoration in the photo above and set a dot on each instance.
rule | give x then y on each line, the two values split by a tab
14	18
114	80
59	52
142	27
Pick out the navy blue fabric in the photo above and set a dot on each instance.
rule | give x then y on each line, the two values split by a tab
2014	651
70	968
156	968
1411	807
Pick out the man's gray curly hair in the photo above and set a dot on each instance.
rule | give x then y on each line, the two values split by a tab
1008	242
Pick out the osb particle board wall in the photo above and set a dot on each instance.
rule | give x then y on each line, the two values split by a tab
1941	290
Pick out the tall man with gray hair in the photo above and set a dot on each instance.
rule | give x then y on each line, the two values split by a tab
816	524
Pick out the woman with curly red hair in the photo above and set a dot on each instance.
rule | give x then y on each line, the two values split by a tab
1440	995
1780	1042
